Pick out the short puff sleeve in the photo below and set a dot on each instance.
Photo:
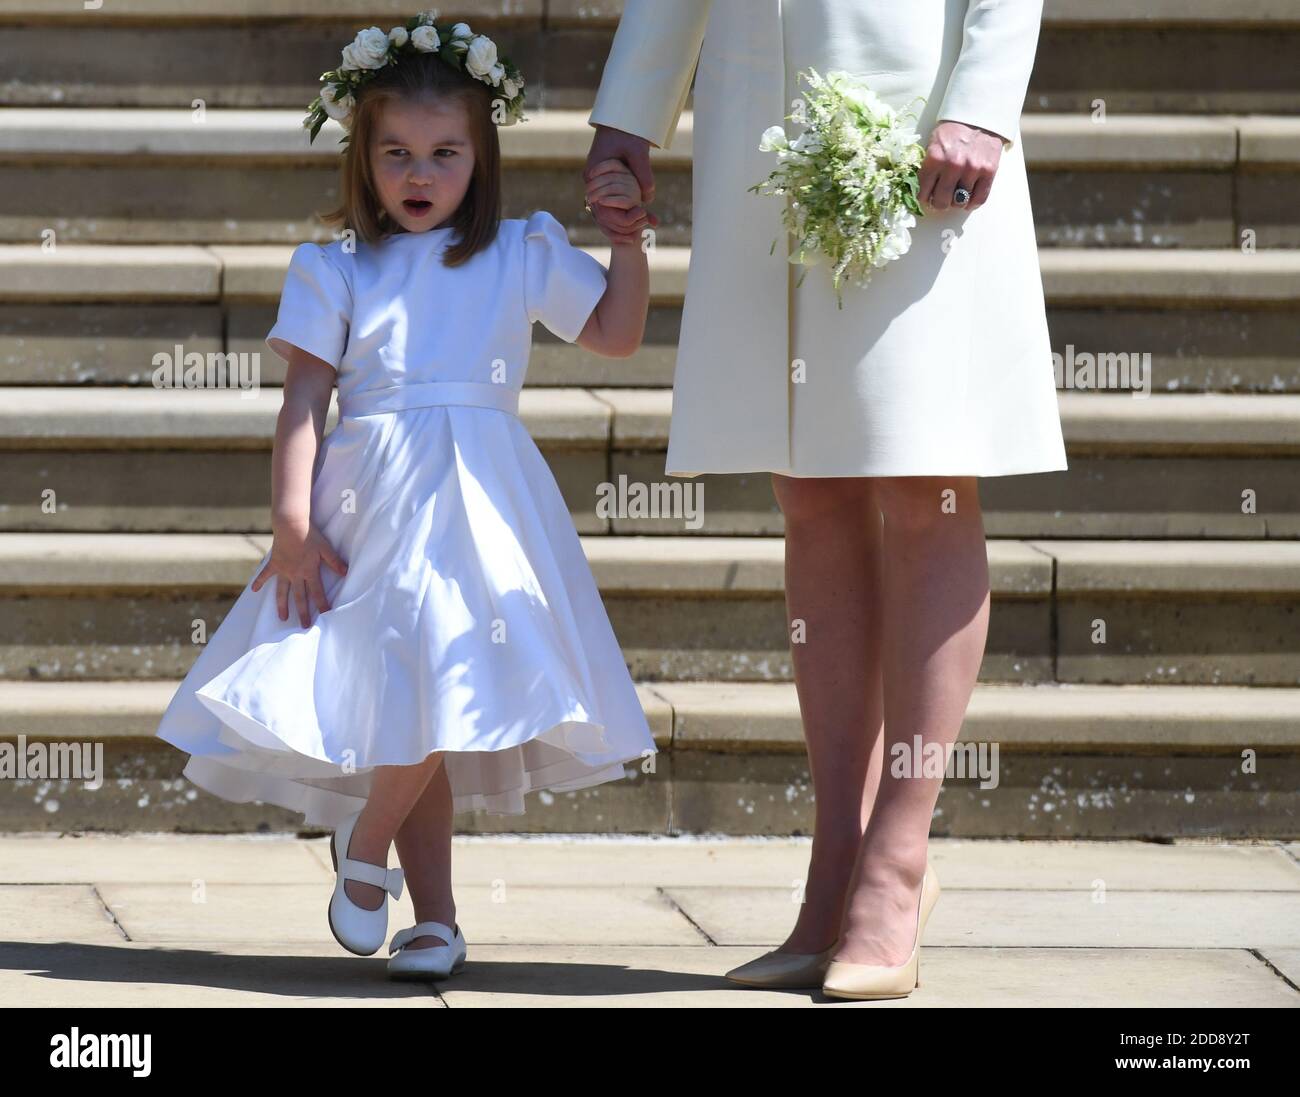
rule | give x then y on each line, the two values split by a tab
315	307
562	284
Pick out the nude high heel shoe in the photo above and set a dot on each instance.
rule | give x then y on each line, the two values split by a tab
783	970
788	970
357	929
870	982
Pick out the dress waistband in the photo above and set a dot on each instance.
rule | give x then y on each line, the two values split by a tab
425	394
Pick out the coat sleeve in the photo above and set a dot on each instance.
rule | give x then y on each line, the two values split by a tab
649	69
987	85
315	307
562	284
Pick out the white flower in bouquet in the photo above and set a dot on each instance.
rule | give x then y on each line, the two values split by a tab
850	179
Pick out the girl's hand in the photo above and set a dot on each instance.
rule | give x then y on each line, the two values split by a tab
296	560
611	186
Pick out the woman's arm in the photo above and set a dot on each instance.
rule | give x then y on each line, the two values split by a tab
648	72
986	88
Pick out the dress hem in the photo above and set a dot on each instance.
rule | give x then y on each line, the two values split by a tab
310	794
859	473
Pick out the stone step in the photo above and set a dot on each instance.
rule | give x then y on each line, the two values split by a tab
1060	761
251	177
97	459
244	54
106	606
1210	319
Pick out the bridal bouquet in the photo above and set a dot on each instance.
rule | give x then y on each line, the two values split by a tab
851	178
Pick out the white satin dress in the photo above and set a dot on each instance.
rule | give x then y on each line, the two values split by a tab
469	621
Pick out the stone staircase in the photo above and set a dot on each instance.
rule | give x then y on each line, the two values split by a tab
158	143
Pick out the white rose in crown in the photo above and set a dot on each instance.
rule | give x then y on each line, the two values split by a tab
482	57
340	108
425	39
368	50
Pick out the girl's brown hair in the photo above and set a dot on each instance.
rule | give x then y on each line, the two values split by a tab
416	77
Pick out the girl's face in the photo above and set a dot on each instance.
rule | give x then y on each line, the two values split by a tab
422	160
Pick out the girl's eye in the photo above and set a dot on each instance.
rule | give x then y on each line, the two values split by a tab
401	152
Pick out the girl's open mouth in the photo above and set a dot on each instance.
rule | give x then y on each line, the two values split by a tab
416	207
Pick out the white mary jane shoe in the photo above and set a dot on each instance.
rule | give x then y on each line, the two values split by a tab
359	930
426	963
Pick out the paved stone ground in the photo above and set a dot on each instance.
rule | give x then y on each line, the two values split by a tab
168	920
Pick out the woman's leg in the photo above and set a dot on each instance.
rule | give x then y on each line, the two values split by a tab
832	594
936	601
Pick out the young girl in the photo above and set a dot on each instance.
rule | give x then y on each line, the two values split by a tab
459	654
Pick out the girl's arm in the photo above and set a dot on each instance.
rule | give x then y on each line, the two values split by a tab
616	325
299	428
298	548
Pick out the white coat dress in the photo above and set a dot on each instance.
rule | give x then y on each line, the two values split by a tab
942	365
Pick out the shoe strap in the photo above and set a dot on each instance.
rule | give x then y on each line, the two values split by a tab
404	937
390	879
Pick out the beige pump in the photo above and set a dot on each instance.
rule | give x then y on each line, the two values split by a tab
870	982
790	970
783	970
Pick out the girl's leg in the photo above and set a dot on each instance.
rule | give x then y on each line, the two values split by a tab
832	593
424	849
393	793
936	601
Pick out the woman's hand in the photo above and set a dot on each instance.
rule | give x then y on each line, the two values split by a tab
296	558
958	155
619	225
611	186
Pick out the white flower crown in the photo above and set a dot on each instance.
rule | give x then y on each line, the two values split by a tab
372	49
